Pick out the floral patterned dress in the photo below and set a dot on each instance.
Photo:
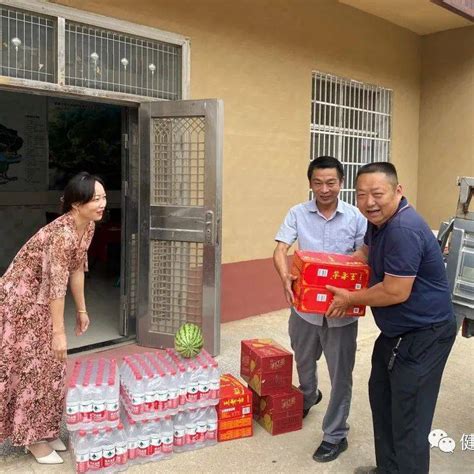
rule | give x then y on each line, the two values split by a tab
32	380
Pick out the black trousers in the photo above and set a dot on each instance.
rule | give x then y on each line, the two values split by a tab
403	396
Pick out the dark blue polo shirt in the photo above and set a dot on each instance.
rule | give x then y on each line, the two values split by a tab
405	247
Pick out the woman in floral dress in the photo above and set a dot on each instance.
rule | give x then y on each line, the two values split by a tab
32	333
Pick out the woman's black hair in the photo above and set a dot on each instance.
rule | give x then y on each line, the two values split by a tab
79	189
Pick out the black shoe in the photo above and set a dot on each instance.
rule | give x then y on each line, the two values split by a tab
328	451
306	410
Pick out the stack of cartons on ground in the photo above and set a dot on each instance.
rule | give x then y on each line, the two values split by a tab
234	411
267	367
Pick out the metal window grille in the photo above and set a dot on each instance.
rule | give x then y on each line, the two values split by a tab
73	50
175	284
178	172
352	122
28	45
103	59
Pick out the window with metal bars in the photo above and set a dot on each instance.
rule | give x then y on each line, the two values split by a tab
350	121
64	52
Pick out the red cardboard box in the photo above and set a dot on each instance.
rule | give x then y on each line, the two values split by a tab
235	433
235	398
280	412
310	299
321	269
265	366
234	411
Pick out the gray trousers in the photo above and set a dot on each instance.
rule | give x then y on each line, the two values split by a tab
308	342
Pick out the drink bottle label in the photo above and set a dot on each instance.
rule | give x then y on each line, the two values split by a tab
86	410
143	444
214	389
155	445
95	459
121	453
137	404
173	400
132	449
190	434
167	446
82	462
112	409
109	456
73	413
149	401
98	411
179	436
193	394
203	390
201	431
182	394
211	430
161	398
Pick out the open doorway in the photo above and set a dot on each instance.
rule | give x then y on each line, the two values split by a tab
44	141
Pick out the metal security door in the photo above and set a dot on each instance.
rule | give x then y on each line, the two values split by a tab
180	220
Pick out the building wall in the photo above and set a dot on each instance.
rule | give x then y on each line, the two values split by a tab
258	56
446	121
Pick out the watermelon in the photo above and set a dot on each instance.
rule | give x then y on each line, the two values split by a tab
188	341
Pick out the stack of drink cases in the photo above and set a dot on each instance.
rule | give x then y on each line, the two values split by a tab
234	410
267	367
167	405
316	270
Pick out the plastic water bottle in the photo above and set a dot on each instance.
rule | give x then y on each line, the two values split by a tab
179	441
112	395
143	442
190	429
203	382
121	448
73	406
201	427
95	452
211	435
155	449
167	437
131	431
108	450
81	451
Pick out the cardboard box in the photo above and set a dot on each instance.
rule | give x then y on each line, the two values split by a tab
234	433
310	299
280	412
317	269
235	398
265	366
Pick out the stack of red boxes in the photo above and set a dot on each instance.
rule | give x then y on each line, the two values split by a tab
316	270
234	411
267	367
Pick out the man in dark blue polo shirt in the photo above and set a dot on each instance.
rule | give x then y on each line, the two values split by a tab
411	303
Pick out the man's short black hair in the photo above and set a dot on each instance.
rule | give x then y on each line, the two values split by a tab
380	167
322	162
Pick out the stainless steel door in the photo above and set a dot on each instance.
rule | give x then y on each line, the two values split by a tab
180	220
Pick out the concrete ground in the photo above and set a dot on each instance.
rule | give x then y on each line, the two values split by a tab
292	452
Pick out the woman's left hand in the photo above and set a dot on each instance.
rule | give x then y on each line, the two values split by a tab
82	323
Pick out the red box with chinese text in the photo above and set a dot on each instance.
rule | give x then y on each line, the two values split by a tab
280	412
309	299
315	270
265	366
235	398
321	269
234	411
